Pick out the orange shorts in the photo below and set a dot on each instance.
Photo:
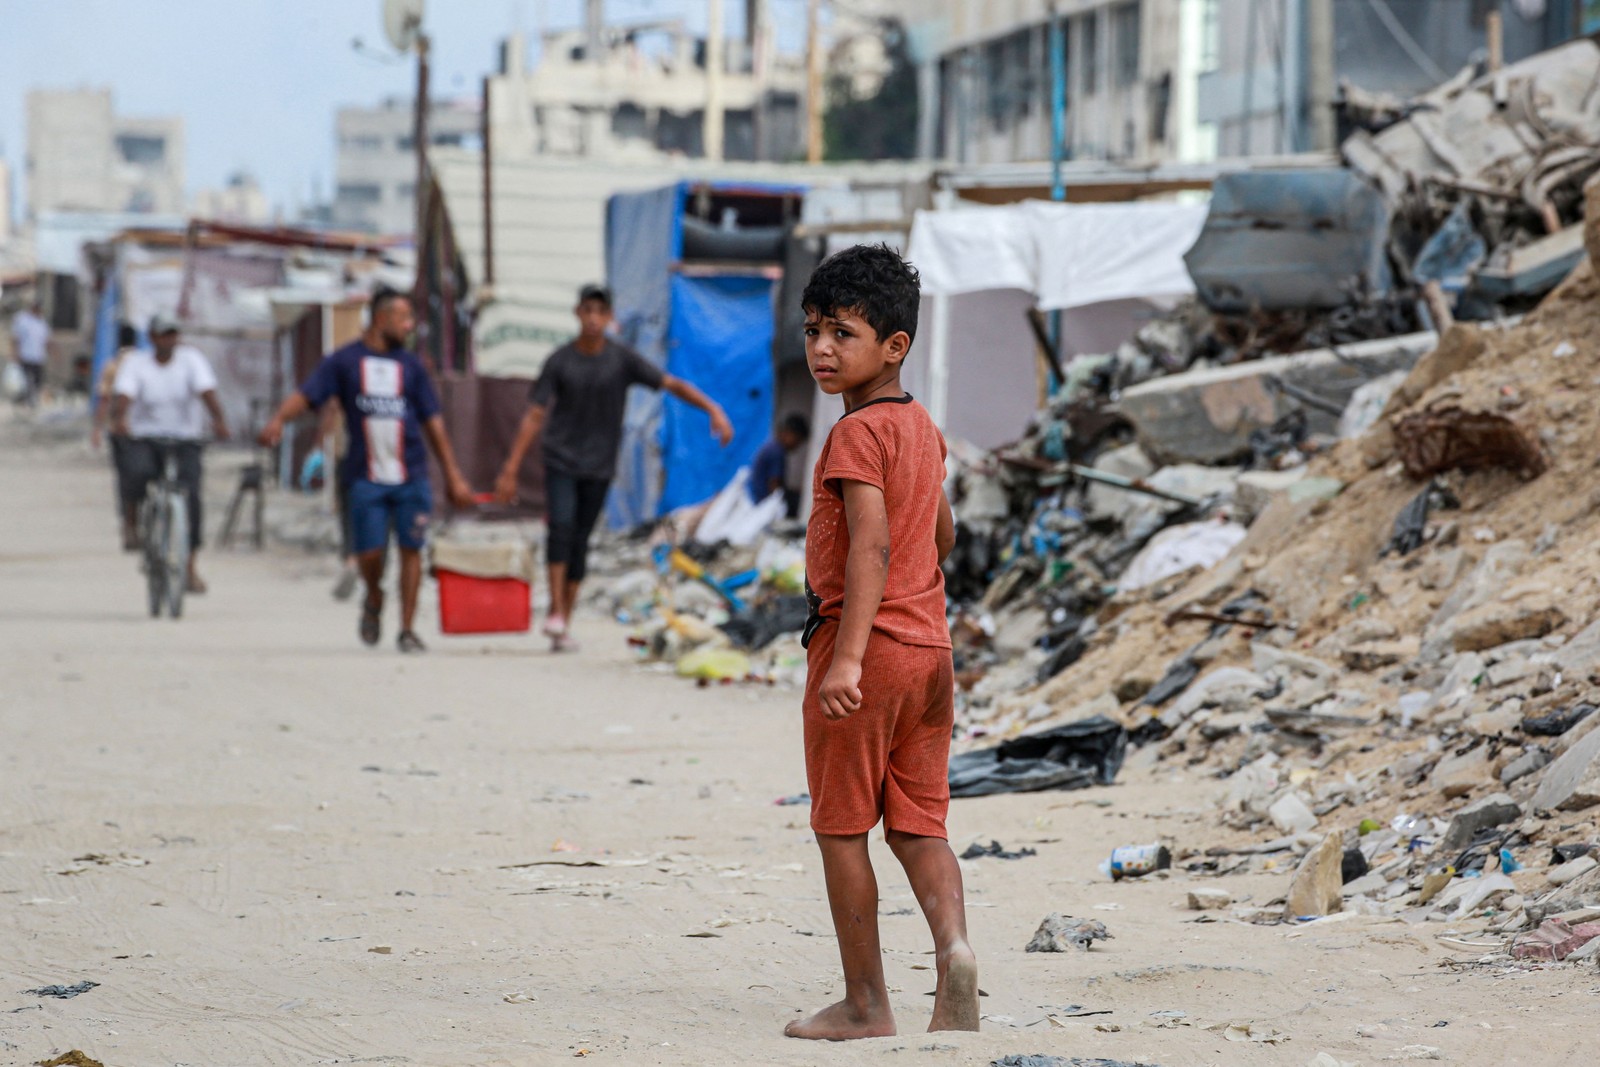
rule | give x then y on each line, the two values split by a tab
891	759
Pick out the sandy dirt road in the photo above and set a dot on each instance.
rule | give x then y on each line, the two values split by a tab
269	845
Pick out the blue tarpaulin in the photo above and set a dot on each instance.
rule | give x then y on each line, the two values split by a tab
721	340
712	329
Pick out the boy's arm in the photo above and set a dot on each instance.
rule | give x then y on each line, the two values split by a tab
721	428
866	571
505	486
944	531
458	490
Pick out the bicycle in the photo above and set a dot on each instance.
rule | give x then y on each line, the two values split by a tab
164	532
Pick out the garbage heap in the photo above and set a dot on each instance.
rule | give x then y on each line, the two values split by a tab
1393	675
718	612
1463	203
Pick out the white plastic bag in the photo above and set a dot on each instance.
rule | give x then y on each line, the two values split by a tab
734	518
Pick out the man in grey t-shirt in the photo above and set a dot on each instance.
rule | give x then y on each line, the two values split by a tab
578	405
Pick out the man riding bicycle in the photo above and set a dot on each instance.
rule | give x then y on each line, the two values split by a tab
166	394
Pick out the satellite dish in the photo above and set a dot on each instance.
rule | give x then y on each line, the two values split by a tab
402	22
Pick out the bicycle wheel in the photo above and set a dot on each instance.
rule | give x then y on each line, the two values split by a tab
177	551
152	539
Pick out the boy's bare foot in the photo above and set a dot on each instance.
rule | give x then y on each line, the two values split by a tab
955	1005
843	1022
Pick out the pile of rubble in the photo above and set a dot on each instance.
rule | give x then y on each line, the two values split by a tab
1392	674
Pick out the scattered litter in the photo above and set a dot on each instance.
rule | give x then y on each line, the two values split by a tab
1059	933
1258	1033
1073	756
520	997
1134	861
63	992
795	799
996	850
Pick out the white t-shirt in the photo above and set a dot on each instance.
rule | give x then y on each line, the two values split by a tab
32	335
166	396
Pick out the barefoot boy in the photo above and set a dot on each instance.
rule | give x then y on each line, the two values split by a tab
878	704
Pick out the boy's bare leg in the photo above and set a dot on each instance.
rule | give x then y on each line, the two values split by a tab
936	880
410	586
556	576
853	897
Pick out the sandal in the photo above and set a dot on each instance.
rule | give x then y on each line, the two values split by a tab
410	642
371	621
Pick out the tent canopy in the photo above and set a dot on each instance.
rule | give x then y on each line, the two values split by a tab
1067	255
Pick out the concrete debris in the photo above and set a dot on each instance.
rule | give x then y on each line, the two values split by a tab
1572	781
1491	811
1318	886
1554	940
1209	899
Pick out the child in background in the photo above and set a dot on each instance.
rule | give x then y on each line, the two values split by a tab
879	707
769	467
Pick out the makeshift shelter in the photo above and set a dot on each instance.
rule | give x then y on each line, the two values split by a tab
1107	267
694	269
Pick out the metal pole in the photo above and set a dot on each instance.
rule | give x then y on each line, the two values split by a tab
1319	72
419	136
711	126
1058	106
1058	151
486	135
814	81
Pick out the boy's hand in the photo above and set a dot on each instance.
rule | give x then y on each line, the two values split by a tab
841	690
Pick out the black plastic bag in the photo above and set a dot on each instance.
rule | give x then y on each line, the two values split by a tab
1073	756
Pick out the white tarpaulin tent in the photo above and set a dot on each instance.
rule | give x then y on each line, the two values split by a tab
1066	255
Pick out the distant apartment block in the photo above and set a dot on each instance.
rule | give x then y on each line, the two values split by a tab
640	92
376	167
82	156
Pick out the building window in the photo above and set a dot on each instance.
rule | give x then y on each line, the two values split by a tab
360	142
1210	36
141	149
1125	25
405	142
359	193
1089	39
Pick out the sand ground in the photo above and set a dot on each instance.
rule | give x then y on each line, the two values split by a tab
314	853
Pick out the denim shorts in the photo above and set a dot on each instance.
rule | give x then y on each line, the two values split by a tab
377	510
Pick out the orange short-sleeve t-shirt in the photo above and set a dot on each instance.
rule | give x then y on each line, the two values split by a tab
891	444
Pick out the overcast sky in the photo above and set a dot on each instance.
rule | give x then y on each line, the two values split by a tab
257	81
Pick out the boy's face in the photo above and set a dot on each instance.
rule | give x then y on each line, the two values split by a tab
845	355
788	440
594	318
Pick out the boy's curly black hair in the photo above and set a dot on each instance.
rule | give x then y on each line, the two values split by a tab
870	280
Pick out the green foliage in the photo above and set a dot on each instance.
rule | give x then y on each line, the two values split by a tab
882	126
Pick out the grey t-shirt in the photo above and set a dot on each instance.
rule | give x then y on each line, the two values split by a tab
586	397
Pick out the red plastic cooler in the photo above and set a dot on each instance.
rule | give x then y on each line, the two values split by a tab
484	588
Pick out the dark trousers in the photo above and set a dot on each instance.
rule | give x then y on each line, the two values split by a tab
142	465
33	375
572	507
119	468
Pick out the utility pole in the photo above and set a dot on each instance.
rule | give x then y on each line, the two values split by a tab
1319	73
813	81
419	139
712	127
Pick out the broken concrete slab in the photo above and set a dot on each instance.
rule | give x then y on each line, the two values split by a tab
1318	886
1206	416
1282	662
1580	657
1209	899
1458	775
1534	759
1572	782
1230	688
1554	940
1495	810
1063	933
1291	815
1258	490
1499	565
1582	892
1571	870
1529	612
